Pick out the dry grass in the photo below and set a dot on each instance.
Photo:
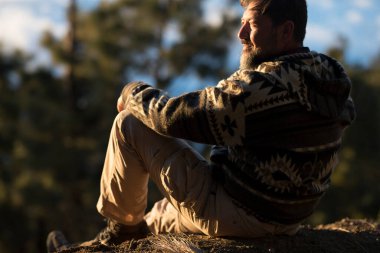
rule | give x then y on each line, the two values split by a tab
174	243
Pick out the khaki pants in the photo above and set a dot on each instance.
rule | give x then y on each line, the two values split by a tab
194	202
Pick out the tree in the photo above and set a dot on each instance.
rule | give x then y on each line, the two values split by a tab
54	129
27	113
355	191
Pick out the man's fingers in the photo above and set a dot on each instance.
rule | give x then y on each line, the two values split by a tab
120	104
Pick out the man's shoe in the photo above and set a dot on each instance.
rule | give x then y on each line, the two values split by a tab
56	241
113	234
116	233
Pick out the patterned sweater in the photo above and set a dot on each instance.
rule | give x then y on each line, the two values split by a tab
276	130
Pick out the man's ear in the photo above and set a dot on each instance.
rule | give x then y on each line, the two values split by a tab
286	31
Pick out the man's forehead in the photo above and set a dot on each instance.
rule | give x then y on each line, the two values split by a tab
251	12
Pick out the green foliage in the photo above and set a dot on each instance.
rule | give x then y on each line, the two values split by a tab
54	128
355	190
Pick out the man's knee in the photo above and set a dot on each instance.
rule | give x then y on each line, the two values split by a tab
124	118
128	125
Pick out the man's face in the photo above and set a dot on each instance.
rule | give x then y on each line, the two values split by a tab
258	36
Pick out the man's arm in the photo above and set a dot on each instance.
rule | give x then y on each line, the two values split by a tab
189	116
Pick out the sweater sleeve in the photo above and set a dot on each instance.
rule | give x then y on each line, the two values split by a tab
193	115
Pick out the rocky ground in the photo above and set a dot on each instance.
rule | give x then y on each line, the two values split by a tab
343	236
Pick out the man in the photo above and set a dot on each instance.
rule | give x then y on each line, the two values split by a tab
276	125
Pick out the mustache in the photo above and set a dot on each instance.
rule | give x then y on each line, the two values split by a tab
245	42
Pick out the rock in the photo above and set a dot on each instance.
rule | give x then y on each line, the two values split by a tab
343	236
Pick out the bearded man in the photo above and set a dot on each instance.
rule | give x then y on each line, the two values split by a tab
276	127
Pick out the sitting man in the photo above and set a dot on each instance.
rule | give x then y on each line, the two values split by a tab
276	127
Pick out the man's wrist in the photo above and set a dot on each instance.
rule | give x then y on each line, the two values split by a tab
128	88
127	91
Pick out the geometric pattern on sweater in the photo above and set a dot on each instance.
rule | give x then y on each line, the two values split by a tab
277	172
281	175
282	188
290	79
255	91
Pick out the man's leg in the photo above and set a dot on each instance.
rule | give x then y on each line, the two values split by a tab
134	153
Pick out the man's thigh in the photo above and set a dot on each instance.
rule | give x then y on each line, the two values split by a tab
228	220
181	174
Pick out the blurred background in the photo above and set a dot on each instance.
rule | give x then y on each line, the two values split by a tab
64	62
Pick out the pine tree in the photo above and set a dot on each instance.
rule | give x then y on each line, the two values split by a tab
118	42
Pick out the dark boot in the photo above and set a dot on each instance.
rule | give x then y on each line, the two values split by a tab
113	234
56	241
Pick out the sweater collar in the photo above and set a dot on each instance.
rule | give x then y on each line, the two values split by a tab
299	50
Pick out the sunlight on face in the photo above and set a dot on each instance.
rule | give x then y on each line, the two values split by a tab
258	36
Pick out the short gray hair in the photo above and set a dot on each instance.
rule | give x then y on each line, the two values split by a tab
282	10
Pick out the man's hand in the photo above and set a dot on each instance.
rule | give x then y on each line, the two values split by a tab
128	88
120	104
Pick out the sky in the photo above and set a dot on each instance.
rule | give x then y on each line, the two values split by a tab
23	21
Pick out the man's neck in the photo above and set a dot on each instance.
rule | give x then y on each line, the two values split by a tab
288	52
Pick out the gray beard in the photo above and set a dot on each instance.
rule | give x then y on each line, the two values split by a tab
250	60
247	61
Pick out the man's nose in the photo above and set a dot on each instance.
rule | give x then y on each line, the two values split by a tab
244	32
